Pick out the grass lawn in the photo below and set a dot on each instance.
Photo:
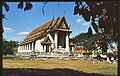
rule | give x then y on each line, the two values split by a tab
79	65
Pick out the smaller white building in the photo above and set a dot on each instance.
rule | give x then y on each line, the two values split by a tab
112	55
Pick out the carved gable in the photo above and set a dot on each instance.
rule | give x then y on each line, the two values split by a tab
63	25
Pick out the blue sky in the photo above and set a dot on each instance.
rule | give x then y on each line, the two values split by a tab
20	23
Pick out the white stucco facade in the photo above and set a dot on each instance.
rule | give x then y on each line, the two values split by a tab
52	42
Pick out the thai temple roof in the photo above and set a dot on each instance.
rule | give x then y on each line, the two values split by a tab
44	29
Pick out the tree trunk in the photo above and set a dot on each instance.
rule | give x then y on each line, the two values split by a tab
1	32
118	55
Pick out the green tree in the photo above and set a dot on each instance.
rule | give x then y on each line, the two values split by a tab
9	47
103	16
90	43
100	11
83	39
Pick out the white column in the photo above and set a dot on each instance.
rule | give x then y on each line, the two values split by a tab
49	49
108	59
25	47
29	46
32	46
72	49
56	40
22	47
18	47
67	42
44	48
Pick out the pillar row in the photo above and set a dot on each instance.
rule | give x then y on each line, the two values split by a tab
67	42
29	46
56	40
32	46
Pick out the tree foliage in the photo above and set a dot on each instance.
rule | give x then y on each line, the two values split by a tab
9	47
104	20
94	41
83	39
105	11
89	32
26	5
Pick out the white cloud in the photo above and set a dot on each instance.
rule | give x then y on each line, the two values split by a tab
22	33
86	23
14	39
7	29
78	20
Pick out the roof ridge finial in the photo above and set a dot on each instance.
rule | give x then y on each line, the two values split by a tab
63	14
58	17
53	16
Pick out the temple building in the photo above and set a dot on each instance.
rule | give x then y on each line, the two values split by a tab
51	37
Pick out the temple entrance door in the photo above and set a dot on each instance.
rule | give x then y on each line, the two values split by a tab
62	39
47	48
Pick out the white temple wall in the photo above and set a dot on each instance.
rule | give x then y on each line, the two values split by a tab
51	39
19	49
22	49
38	46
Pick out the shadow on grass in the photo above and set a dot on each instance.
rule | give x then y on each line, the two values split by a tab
13	58
8	57
45	72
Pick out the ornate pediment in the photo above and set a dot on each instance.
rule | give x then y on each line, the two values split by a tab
63	25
